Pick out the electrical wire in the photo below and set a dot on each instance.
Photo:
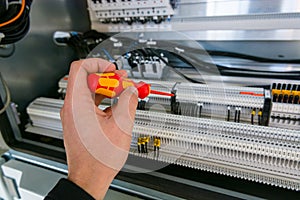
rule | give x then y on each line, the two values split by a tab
83	43
16	17
13	49
79	44
224	70
11	2
17	29
8	98
242	56
231	71
250	57
172	67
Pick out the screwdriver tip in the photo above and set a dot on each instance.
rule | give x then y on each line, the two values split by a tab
161	93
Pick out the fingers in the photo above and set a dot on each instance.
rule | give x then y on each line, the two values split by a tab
124	111
99	99
78	93
82	68
108	111
94	65
122	73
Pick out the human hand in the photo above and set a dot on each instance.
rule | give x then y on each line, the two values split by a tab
97	142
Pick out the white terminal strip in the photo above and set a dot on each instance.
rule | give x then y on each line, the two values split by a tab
257	153
128	10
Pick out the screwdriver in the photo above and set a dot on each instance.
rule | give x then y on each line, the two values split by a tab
111	85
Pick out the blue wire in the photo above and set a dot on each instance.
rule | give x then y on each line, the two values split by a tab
108	55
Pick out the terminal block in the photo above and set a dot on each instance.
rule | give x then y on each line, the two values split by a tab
139	65
249	151
234	104
285	106
130	11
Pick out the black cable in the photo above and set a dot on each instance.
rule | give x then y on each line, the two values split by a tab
250	57
261	74
16	30
242	56
13	49
172	67
83	43
245	72
9	39
3	7
237	71
10	12
224	70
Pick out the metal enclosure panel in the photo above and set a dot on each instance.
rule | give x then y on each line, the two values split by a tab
32	182
206	8
38	63
4	194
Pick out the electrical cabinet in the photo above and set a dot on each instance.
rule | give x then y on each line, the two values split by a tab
231	130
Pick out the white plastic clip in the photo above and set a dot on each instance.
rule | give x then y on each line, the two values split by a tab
1	36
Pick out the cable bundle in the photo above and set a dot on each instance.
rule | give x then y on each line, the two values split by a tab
14	20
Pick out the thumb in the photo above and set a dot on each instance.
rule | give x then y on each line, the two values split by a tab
124	111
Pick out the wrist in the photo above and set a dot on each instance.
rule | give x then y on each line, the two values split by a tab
95	184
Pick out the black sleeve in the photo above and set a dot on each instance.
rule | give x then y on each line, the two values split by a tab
66	190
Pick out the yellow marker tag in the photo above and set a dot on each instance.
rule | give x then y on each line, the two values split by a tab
274	91
106	92
295	93
127	84
284	92
106	82
157	142
105	74
148	139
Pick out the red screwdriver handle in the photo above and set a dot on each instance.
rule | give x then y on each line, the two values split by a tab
111	85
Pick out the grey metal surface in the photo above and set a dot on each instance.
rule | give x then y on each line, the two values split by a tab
38	63
195	184
35	182
236	7
3	145
10	114
4	193
11	186
129	187
30	180
122	186
112	195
